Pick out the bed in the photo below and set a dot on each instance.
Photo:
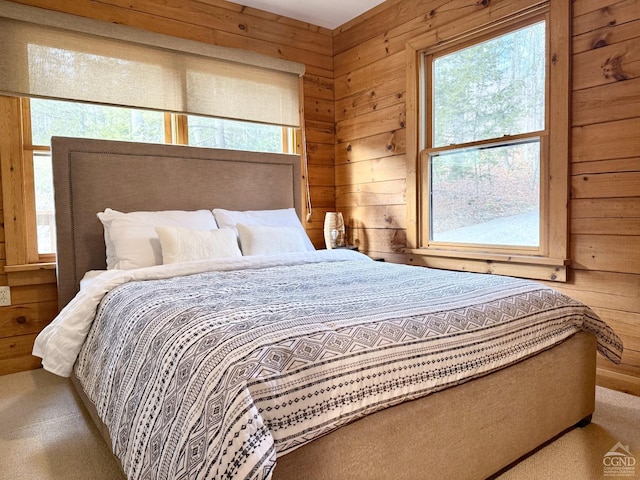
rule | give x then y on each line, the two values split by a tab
304	404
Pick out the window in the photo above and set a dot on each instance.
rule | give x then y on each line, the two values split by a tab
57	118
41	119
235	135
483	129
488	131
488	195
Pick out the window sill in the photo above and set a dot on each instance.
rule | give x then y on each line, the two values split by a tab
30	267
525	266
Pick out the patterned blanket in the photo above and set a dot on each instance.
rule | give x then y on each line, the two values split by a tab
208	376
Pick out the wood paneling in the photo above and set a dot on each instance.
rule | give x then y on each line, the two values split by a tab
592	15
606	65
392	192
376	146
25	319
605	207
605	185
604	35
608	140
369	171
605	182
15	354
605	103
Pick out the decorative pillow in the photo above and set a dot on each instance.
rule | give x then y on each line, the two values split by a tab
285	217
131	240
186	245
270	240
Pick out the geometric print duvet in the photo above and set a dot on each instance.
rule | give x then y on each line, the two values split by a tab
215	374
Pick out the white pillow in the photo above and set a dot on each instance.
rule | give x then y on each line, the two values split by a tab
285	217
269	240
131	240
186	245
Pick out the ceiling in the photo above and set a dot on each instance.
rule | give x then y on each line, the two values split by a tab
324	13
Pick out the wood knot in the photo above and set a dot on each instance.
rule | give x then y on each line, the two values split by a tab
390	146
21	320
612	68
599	44
349	148
483	3
242	27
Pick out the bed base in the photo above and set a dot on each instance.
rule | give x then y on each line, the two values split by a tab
470	431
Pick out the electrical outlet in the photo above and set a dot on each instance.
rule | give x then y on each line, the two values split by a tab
5	296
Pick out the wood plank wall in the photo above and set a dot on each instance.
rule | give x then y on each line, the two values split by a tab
356	75
605	139
605	180
220	23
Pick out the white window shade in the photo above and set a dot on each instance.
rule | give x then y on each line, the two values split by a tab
227	88
52	55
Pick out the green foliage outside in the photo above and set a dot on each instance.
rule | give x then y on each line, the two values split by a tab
234	135
484	92
59	118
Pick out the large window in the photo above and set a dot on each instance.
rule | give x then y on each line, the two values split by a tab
42	119
488	132
484	128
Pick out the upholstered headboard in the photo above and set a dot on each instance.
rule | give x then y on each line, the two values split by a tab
91	175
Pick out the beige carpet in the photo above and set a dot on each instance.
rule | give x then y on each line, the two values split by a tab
45	434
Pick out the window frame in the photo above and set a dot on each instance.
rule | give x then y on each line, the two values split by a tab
17	172
549	261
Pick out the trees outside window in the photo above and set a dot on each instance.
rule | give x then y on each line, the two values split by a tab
42	119
485	120
234	135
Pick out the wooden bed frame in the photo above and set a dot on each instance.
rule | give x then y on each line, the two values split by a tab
473	430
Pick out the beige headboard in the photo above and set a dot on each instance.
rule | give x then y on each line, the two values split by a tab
91	175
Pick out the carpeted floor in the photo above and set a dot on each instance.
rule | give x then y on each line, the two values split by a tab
45	434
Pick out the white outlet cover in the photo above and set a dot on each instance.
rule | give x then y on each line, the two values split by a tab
5	296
